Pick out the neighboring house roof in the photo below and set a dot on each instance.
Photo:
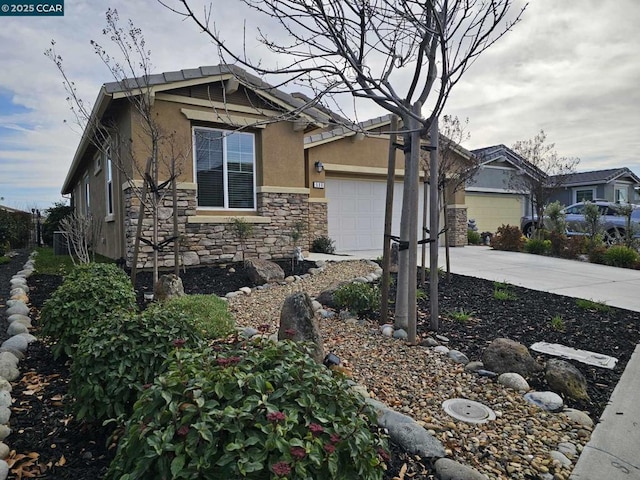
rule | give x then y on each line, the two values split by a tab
596	177
487	155
298	107
12	210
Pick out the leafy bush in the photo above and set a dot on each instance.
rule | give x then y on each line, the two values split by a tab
121	353
323	245
55	214
558	244
537	246
508	237
88	293
621	256
556	217
14	230
597	252
577	245
359	298
259	411
473	238
208	313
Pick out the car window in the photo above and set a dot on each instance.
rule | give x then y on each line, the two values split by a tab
610	211
575	210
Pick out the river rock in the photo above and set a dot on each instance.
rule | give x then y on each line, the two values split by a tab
298	323
566	379
4	450
549	401
447	469
568	449
400	334
578	416
18	342
405	431
5	399
327	299
263	271
441	349
564	461
514	381
18	317
19	309
458	357
5	431
474	366
168	286
504	355
429	342
4	469
17	327
387	331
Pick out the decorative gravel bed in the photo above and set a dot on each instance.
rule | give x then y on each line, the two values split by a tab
414	380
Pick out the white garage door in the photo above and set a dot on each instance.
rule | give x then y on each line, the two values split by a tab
356	213
490	210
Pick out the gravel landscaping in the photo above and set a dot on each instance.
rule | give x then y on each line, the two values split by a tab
522	442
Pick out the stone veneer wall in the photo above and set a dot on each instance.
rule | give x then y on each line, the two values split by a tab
457	221
318	220
207	243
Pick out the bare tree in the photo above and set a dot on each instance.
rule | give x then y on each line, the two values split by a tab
400	54
81	234
545	173
132	72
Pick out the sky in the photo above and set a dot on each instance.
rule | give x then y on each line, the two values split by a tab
570	68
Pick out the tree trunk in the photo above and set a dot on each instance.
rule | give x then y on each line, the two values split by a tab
388	217
176	239
141	213
402	286
433	227
154	205
425	209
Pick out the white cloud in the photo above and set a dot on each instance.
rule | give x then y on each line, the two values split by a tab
569	68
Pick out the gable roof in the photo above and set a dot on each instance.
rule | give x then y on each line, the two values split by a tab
595	177
155	83
487	155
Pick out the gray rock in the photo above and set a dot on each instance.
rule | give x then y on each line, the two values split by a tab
5	385
568	449
17	342
326	313
17	327
486	373
18	308
564	378
9	358
248	332
474	366
400	334
316	305
263	271
18	317
549	401
190	258
9	371
168	286
290	279
4	470
564	461
16	281
27	336
5	415
458	357
5	399
514	381
245	290
442	338
387	331
233	294
16	353
346	315
298	323
5	431
4	451
504	355
441	349
11	303
578	416
429	342
360	280
320	263
19	290
26	272
406	432
327	299
447	469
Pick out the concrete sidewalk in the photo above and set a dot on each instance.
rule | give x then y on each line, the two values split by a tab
613	452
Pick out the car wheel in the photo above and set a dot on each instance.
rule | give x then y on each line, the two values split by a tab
611	237
528	230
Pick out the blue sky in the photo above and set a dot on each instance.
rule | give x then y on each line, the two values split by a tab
570	68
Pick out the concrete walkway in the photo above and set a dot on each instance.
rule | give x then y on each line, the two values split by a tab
613	452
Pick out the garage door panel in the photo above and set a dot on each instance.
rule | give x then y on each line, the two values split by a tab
356	212
491	210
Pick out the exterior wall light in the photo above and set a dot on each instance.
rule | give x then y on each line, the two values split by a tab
319	167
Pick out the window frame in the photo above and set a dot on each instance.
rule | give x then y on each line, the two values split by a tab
585	189
108	176
226	133
87	195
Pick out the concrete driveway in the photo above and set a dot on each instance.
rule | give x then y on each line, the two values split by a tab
618	287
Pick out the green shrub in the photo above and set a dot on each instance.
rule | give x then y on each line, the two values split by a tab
576	245
473	238
592	305
537	246
208	313
556	217
596	252
359	298
259	411
558	244
55	214
557	323
508	238
620	256
88	293
121	353
323	245
4	260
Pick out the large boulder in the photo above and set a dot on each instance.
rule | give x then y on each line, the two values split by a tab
327	299
298	323
564	378
262	271
504	355
168	286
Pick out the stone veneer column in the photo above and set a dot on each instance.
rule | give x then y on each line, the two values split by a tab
457	221
318	221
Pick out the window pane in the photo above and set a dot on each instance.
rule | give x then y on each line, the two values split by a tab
209	173
584	195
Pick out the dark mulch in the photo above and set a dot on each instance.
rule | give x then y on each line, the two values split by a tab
69	450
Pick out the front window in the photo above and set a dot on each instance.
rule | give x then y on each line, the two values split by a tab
622	195
109	180
584	195
225	168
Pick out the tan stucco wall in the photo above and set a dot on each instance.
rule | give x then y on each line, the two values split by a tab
282	156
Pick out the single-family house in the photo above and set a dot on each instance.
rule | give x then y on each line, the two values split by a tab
243	150
494	196
619	185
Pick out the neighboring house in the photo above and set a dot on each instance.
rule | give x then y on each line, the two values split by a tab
353	186
491	198
243	150
619	185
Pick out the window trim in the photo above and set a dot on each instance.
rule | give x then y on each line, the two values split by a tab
108	176
87	195
225	183
620	187
583	189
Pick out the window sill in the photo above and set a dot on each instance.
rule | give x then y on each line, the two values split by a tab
110	218
227	220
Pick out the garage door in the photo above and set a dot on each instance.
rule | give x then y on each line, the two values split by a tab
356	213
490	210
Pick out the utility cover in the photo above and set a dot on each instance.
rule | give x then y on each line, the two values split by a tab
468	410
584	356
